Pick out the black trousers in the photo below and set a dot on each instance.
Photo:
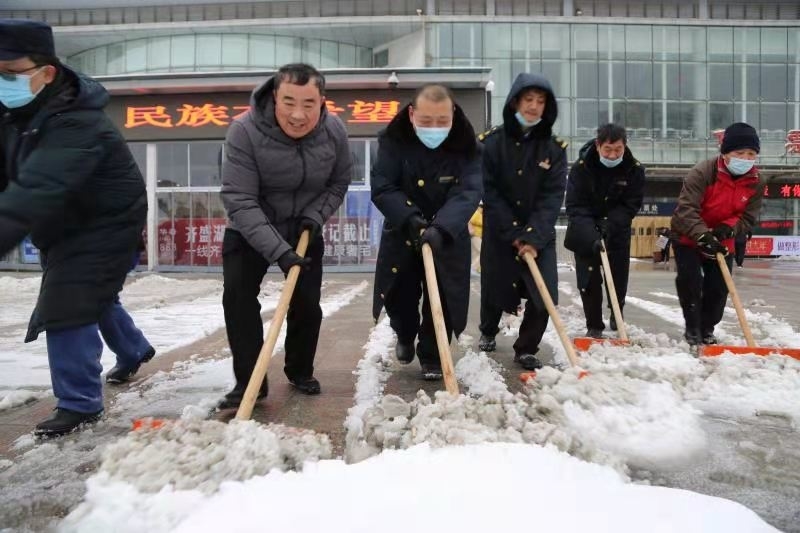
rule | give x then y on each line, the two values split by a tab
701	289
592	293
740	248
243	270
402	307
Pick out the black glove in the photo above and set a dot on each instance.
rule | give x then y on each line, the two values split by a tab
290	258
414	226
597	246
434	237
709	246
722	232
310	225
601	225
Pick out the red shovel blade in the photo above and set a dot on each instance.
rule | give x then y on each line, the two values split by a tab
584	343
713	350
526	377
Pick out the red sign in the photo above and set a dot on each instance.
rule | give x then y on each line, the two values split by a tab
759	246
793	142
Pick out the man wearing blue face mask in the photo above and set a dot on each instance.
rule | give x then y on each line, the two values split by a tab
720	198
426	181
524	175
68	179
604	192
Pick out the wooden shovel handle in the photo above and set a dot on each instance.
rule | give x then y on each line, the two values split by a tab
264	356
612	294
442	343
551	309
737	303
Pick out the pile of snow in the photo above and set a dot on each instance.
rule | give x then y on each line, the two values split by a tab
201	454
16	398
490	487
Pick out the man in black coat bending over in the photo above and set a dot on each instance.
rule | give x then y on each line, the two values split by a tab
604	193
524	174
427	183
68	179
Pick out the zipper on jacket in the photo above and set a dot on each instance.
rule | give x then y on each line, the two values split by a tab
302	180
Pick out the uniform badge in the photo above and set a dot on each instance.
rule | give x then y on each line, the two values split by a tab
545	164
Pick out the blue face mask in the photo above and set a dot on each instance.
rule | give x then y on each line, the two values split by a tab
739	166
432	137
17	92
610	163
524	122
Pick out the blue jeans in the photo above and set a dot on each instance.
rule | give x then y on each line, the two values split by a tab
74	356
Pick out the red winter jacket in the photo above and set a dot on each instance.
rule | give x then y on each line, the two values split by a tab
711	196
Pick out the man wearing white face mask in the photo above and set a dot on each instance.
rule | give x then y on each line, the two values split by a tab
426	181
720	198
604	192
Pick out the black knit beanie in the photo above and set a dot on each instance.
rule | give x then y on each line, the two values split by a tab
739	136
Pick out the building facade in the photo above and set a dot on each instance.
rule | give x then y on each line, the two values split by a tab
674	72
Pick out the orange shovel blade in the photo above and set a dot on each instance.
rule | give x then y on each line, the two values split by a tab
584	343
526	377
714	350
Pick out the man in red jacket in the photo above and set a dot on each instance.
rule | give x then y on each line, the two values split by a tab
720	198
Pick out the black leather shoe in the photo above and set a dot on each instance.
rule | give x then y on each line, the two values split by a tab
528	361
612	324
404	352
487	344
306	385
693	338
64	421
119	374
431	372
709	338
233	399
595	333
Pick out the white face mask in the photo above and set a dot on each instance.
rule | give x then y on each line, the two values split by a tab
738	166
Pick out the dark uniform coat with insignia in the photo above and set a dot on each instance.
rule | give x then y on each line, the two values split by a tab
524	177
441	185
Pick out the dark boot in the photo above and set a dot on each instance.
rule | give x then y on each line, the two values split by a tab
306	385
233	399
404	352
693	338
64	421
487	344
119	374
709	338
595	333
528	361
431	371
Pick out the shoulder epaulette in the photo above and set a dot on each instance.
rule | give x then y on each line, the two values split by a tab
486	133
561	142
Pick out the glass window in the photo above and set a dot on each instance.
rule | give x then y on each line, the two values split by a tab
586	79
584	37
172	164
558	74
329	54
720	116
234	50
639	118
793	89
773	121
587	118
158	53
311	52
182	51
287	50
358	153
744	112
639	80
612	80
609	44
693	44
262	51
497	43
209	50
503	77
746	44
166	229
116	58
445	33
465	43
746	80
666	43
139	152
721	81
205	164
693	81
773	45
136	56
720	44
555	41
774	84
347	55
638	42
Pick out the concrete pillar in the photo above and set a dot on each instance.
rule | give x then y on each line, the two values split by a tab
490	8
568	8
152	207
430	7
702	9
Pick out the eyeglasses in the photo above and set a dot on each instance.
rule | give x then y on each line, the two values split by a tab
12	76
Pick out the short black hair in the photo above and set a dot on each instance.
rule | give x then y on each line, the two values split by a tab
611	133
435	92
300	74
42	60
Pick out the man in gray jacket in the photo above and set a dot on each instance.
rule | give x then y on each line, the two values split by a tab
287	168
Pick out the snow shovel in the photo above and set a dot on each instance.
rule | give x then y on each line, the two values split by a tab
751	348
446	359
584	343
262	363
554	316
